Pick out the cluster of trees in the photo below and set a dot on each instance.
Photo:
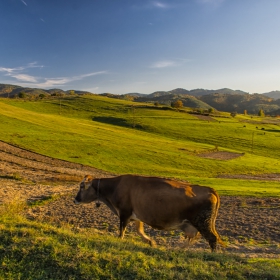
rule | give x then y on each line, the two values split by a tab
25	95
260	113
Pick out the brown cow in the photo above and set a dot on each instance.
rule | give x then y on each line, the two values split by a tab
161	203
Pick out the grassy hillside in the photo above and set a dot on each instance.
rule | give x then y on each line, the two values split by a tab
124	137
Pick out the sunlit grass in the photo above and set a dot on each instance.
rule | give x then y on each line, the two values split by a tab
33	250
166	143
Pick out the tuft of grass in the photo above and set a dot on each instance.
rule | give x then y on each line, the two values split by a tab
42	201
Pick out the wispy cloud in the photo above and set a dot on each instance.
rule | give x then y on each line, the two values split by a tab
10	70
211	2
17	71
160	5
163	64
19	74
169	63
34	65
60	81
23	2
153	5
25	78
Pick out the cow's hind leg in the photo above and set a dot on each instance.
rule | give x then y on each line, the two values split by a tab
203	224
209	235
140	230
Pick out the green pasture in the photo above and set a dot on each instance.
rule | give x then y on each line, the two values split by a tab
125	137
34	250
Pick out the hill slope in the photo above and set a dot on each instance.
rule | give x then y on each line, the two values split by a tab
113	135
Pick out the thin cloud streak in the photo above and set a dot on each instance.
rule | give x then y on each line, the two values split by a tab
24	2
160	5
211	2
10	70
163	64
34	65
153	5
18	74
170	63
65	80
24	78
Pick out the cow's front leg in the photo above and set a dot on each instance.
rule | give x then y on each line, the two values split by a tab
124	220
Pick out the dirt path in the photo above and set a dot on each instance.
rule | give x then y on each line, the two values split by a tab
250	226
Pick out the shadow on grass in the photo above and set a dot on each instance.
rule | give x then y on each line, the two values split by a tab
118	121
112	120
273	130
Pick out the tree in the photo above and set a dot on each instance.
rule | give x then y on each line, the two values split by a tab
42	95
261	113
177	104
22	94
233	114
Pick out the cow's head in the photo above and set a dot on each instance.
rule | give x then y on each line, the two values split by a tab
87	192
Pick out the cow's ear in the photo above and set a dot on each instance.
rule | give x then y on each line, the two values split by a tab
88	178
87	182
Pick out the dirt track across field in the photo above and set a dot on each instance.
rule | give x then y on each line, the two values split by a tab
250	226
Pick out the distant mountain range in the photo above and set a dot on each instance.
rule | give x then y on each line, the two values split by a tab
14	91
225	99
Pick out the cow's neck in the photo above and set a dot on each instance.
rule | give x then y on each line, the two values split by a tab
105	193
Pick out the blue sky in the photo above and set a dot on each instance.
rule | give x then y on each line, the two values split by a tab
141	45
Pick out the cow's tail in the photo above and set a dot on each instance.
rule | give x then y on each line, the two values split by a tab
214	217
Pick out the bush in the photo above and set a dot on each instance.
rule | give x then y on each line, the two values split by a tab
42	95
177	104
22	94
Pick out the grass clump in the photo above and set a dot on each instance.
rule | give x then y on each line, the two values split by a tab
33	250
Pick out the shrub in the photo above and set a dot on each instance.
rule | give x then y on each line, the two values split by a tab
22	94
177	104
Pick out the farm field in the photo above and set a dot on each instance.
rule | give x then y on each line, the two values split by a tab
56	142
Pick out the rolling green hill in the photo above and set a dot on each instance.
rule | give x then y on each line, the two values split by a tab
120	137
225	99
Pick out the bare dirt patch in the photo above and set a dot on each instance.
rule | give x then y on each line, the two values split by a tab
250	226
220	155
205	118
264	177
